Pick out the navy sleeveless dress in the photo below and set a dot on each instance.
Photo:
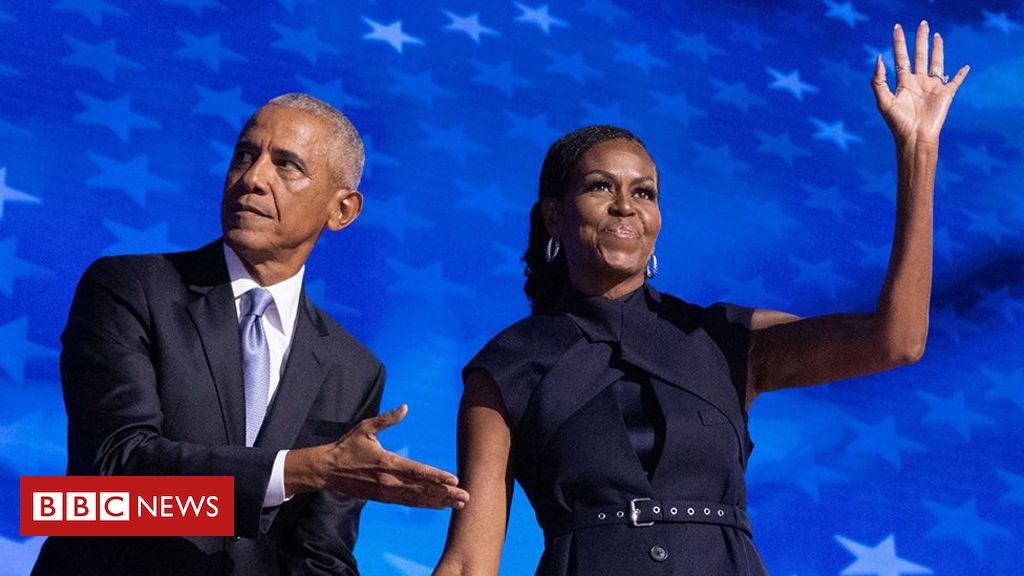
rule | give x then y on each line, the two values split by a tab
629	433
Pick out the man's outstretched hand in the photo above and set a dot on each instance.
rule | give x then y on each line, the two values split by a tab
360	467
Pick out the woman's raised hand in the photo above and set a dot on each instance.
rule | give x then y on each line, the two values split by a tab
916	111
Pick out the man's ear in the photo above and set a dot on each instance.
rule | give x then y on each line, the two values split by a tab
549	210
345	208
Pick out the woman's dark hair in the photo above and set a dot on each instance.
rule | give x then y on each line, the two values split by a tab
546	282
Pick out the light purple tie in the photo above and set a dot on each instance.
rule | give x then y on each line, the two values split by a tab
255	360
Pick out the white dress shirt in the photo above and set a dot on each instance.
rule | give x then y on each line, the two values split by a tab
279	326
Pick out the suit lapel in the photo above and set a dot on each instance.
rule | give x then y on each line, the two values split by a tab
213	314
216	321
300	382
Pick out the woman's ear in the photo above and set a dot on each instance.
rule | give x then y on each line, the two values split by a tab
345	208
549	209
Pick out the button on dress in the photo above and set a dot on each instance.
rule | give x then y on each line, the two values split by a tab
613	401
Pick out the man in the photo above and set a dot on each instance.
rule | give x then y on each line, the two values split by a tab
213	362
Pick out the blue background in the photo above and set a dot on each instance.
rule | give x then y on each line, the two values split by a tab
117	119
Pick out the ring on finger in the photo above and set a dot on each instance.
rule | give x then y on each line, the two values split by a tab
936	73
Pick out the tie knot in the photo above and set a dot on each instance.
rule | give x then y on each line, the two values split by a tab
258	299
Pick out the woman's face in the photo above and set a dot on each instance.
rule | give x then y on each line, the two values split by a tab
608	220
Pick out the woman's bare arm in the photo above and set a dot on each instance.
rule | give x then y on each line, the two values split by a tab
787	351
477	532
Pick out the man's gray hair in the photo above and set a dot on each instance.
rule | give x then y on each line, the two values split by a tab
347	152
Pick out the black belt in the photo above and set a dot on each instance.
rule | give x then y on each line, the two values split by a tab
641	512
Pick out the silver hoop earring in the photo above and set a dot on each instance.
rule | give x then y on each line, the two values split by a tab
552	251
652	266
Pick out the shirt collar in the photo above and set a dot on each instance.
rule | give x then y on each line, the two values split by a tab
603	319
286	292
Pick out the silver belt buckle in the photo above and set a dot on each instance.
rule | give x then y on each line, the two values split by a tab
634	513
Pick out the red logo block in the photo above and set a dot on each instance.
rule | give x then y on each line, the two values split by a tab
127	505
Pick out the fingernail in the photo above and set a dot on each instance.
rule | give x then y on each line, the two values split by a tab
924	22
936	35
897	26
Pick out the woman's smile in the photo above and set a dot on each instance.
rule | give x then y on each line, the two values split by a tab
623	230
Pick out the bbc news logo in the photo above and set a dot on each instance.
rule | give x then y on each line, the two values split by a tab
127	505
107	506
117	506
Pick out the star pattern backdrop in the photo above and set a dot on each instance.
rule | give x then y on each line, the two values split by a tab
118	117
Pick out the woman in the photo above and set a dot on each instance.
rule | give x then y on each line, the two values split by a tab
621	411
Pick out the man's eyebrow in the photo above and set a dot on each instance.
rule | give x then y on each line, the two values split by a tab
285	154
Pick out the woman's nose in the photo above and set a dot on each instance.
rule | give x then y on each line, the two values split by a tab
623	205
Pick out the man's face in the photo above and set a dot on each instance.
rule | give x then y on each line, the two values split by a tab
280	190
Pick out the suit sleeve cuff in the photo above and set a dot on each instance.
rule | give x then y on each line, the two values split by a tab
275	495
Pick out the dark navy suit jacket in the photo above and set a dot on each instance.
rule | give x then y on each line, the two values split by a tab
152	378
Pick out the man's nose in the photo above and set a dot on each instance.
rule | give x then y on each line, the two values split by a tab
258	174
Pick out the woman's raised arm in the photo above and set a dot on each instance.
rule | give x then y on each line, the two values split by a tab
787	351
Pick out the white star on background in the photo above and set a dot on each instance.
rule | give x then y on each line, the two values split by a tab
116	114
790	82
132	177
1000	21
677	106
392	34
879	560
980	158
539	16
844	12
636	54
393	216
134	240
988	224
872	56
780	145
306	42
206	49
101	57
18	349
227	104
605	10
821	275
8	194
470	25
333	92
426	282
93	10
834	132
696	44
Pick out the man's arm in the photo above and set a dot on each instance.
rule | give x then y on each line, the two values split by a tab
359	466
112	396
322	537
115	416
